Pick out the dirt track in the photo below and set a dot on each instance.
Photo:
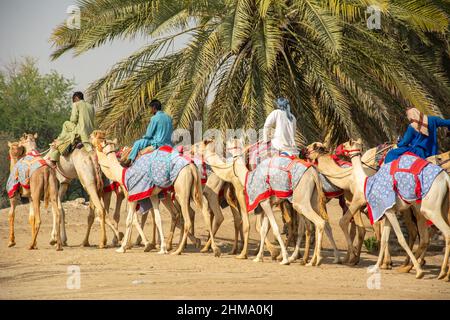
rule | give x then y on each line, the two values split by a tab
105	274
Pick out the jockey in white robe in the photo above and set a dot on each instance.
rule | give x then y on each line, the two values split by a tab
283	120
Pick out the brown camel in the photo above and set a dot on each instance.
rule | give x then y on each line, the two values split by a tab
42	184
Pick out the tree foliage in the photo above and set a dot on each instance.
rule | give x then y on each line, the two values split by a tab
343	80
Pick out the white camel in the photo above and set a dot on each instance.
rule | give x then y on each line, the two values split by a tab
434	206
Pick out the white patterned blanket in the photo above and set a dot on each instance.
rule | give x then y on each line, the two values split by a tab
157	169
277	176
380	192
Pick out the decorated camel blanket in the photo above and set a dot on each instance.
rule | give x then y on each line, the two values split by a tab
203	168
406	181
331	190
277	176
22	171
157	169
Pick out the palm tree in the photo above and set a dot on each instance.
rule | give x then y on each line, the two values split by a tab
341	78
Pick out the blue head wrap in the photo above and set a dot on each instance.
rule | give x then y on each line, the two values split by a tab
283	104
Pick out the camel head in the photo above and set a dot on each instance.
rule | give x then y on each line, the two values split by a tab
203	147
97	137
16	151
316	149
28	141
352	147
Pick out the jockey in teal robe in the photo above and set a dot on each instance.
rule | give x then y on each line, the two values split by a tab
159	133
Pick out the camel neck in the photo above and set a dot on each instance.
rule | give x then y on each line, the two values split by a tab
337	175
359	175
110	166
227	171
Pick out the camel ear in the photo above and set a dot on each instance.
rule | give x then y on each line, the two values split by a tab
207	141
115	141
36	135
9	144
359	141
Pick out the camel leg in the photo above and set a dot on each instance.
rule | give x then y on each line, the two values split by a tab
424	239
61	193
113	224
90	222
196	241
308	231
211	209
300	232
175	216
116	217
412	233
144	217
263	234
306	209
53	190
329	234
245	221
184	203
385	227
344	224
237	230
361	234
36	221
158	222
274	252
390	214
128	227
268	211
137	225
11	215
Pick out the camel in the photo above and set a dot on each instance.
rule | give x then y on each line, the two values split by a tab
42	184
187	186
79	164
307	200
433	206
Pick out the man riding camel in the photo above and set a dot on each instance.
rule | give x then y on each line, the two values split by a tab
285	125
420	137
159	131
80	126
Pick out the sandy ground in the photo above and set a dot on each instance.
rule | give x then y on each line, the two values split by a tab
105	274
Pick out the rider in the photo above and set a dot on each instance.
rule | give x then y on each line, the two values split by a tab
420	137
81	124
285	125
159	131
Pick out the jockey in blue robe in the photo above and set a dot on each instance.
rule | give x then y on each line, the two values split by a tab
420	137
159	131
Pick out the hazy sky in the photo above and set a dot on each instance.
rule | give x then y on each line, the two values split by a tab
25	29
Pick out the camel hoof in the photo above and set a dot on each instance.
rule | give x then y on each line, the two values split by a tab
205	249
64	243
148	247
353	261
292	259
275	254
419	274
258	259
86	244
310	264
59	248
32	247
121	250
403	269
175	253
279	258
337	261
447	278
303	262
217	252
102	246
285	262
241	256
441	275
52	242
198	243
11	244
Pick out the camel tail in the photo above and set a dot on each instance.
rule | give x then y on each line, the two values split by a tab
196	191
321	199
229	196
47	173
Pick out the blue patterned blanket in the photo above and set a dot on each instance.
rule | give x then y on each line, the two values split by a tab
22	171
379	189
157	169
277	176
